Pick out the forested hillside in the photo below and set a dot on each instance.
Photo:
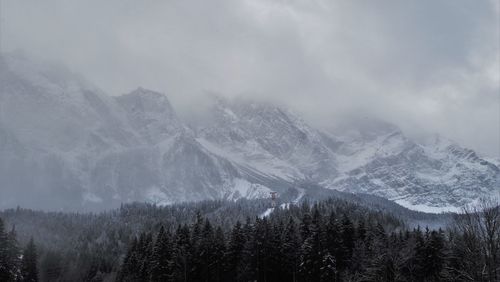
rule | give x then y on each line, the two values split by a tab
330	240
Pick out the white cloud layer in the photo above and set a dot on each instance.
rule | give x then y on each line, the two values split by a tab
428	66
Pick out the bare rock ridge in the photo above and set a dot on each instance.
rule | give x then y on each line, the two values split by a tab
64	144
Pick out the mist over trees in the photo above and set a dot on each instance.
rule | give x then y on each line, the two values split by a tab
330	240
16	264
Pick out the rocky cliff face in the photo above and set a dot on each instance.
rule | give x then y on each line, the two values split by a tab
64	144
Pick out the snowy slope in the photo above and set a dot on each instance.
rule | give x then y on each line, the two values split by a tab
270	139
440	176
374	158
64	144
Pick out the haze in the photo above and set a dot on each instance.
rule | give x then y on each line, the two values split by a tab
428	66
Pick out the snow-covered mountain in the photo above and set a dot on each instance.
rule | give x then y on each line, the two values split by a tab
431	176
370	157
64	144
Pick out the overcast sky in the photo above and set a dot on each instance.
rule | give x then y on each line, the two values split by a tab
428	66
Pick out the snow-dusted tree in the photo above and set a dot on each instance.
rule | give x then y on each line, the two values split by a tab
29	269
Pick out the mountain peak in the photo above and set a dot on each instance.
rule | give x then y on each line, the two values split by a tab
75	140
151	114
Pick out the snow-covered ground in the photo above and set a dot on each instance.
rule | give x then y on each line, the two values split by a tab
426	208
266	213
285	205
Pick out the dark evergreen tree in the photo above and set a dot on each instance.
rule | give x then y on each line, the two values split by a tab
219	250
206	253
145	253
29	269
248	266
14	253
346	241
182	254
381	267
305	226
275	260
129	269
7	270
196	266
328	270
234	252
161	264
313	250
51	266
290	252
434	262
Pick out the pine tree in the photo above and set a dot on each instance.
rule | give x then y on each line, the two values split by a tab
161	265
14	252
333	239
219	251
5	260
234	251
196	239
419	256
275	261
206	252
347	242
381	267
144	253
328	270
361	231
9	254
313	250
248	266
305	225
29	270
290	251
434	255
182	254
130	267
51	266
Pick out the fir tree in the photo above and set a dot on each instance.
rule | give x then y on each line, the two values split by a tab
313	250
52	266
161	265
290	251
328	270
182	255
219	250
206	252
234	251
29	269
434	255
5	260
9	254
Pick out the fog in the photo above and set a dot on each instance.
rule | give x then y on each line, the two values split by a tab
427	66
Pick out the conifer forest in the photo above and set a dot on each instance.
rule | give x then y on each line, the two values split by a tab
328	240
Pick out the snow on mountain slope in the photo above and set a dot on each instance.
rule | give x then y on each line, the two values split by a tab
55	125
269	139
64	144
371	157
437	176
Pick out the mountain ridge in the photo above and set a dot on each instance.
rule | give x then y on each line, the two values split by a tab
61	135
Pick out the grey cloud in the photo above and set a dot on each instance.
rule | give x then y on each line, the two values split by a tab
424	65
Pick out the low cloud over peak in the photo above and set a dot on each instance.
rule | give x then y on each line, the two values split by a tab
426	66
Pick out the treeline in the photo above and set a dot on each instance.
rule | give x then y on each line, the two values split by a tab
315	248
16	264
330	240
